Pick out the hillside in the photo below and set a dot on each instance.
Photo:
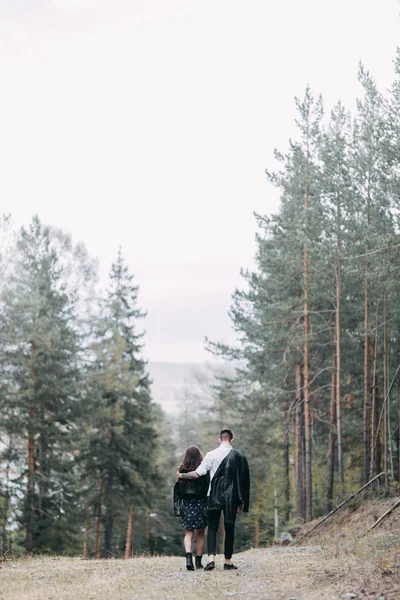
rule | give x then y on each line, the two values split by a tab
353	520
174	383
169	381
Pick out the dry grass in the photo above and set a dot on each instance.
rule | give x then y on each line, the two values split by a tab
333	563
308	573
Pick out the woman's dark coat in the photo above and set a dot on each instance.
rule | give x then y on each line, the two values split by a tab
190	488
230	486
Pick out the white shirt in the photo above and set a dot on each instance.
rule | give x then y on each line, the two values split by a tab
212	460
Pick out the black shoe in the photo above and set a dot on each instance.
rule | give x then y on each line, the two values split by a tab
189	561
210	566
198	562
230	567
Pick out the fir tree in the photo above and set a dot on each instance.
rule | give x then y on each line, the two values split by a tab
41	348
120	451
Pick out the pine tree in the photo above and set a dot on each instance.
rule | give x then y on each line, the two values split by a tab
338	198
370	133
41	347
121	437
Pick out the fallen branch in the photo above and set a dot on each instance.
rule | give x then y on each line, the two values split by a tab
385	514
337	508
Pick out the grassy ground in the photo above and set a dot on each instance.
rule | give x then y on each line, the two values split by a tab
367	570
335	562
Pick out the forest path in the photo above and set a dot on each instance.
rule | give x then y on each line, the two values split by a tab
266	574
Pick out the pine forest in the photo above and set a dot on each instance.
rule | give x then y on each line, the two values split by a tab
311	389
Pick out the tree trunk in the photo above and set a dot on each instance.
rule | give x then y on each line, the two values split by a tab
257	513
374	411
300	491
31	483
332	436
286	453
6	506
109	517
385	391
338	374
398	441
99	517
31	456
307	406
148	531
129	533
367	390
85	540
43	482
276	513
378	441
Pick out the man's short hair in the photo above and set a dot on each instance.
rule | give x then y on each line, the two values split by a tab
226	434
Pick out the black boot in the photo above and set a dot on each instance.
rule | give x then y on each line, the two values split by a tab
198	562
230	567
189	561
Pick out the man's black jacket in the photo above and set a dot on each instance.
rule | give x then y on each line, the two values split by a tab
230	486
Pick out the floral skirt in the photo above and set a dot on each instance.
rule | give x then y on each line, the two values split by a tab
193	513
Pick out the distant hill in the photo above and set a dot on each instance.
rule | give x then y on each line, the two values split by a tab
175	384
170	381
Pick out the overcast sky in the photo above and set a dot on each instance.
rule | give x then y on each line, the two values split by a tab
149	124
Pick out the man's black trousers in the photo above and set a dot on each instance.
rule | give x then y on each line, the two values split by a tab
213	524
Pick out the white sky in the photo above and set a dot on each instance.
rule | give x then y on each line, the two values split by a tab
149	123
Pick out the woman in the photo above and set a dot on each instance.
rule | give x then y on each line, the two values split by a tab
190	497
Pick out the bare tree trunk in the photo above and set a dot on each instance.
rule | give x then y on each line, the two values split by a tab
300	490
148	529
398	436
374	411
338	374
378	440
31	456
99	517
6	506
307	406
338	348
85	540
286	453
389	430
367	390
257	513
109	517
332	437
307	413
385	391
276	514
129	533
31	483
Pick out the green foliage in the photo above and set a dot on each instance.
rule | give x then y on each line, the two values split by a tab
350	169
75	403
120	437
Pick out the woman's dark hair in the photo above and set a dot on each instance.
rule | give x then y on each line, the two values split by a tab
191	460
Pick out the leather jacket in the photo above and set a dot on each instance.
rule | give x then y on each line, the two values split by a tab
190	488
230	486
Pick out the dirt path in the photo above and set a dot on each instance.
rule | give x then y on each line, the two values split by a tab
270	574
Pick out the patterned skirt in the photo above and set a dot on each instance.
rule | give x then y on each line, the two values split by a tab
193	513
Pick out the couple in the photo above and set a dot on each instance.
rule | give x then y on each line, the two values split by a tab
205	488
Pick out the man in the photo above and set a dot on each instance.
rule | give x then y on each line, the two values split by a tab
228	492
